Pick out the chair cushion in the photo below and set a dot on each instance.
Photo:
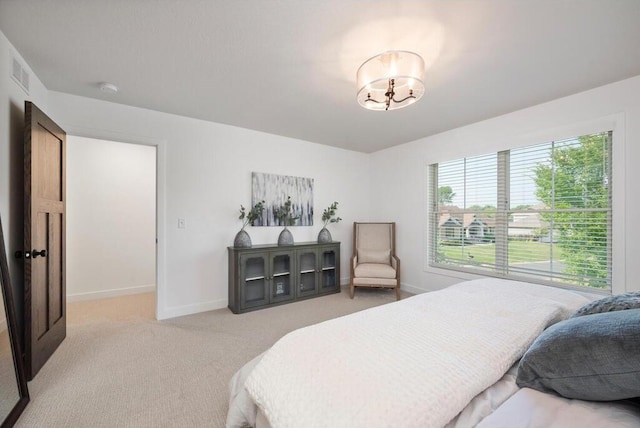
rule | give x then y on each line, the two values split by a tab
374	256
375	282
374	270
376	236
592	357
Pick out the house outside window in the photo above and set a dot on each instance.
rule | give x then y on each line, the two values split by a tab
540	213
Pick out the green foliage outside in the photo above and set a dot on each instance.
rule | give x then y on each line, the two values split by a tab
445	195
578	178
519	252
488	211
522	207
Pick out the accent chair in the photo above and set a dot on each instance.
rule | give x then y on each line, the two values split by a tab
374	262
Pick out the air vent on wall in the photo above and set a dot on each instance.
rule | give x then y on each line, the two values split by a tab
20	75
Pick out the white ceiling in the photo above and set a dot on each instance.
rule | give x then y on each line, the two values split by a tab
288	67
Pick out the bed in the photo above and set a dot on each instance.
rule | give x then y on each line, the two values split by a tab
447	358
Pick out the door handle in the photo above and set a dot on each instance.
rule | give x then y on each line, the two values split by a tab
30	254
35	253
27	254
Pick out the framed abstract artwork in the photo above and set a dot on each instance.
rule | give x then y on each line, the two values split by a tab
274	190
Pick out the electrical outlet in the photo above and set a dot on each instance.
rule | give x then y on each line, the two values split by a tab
182	223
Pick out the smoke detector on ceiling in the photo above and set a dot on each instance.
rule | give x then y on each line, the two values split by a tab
108	88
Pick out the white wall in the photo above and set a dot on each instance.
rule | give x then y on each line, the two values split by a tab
398	175
12	99
204	174
111	224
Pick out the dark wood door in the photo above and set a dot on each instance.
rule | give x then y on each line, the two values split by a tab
44	238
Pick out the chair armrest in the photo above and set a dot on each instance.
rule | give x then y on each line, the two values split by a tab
395	262
352	268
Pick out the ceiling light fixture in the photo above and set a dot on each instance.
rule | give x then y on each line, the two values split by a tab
390	80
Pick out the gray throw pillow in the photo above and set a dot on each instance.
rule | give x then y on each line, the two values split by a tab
619	302
593	357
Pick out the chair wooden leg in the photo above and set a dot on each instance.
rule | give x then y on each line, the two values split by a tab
352	289
397	293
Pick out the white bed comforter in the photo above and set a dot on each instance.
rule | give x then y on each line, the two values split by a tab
413	363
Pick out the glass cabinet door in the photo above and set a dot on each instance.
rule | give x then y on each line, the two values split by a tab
253	277
307	272
281	279
329	280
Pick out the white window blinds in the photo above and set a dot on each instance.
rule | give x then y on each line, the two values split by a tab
540	213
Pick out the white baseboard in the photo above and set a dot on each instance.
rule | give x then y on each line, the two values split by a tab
413	289
179	311
404	286
95	295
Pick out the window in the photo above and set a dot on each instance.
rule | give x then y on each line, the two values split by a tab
540	213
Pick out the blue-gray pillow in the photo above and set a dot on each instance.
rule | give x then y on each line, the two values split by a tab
592	357
619	302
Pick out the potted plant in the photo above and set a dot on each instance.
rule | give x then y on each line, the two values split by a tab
328	216
243	240
286	217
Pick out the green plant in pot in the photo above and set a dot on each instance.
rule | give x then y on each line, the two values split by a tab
242	239
286	217
328	216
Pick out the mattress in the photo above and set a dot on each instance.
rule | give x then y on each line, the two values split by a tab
534	409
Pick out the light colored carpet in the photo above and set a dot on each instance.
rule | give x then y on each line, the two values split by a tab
123	308
144	373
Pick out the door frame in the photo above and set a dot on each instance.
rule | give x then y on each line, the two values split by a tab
161	176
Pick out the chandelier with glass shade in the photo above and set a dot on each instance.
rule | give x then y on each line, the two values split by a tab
390	80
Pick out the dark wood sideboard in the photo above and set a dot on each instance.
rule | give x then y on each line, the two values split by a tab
269	275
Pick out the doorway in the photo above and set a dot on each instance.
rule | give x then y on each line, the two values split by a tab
111	230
